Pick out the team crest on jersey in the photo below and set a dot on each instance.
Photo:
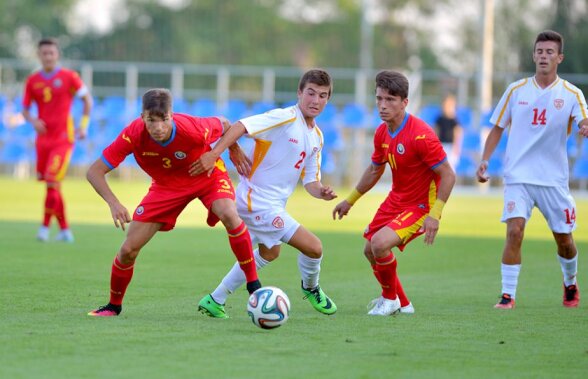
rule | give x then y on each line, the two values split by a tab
558	103
400	149
278	223
315	149
510	206
57	83
140	210
180	154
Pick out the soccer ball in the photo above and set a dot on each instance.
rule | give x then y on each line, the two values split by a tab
268	307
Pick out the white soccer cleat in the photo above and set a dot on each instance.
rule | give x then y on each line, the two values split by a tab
408	310
65	236
43	234
385	307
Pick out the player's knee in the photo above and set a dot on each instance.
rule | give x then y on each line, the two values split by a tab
380	246
127	254
515	234
269	255
314	250
566	248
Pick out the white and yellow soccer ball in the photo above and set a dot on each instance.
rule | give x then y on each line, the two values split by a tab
268	307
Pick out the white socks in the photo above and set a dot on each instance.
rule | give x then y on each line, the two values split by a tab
309	270
569	268
510	278
235	279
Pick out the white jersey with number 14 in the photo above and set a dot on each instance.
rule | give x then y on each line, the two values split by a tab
540	122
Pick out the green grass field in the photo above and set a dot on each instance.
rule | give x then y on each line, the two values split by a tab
47	289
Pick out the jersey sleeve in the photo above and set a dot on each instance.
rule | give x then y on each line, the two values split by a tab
379	154
118	150
579	108
28	94
260	125
312	163
430	148
210	128
77	86
502	113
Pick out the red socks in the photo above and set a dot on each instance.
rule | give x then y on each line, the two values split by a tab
119	280
399	290
54	207
240	241
386	275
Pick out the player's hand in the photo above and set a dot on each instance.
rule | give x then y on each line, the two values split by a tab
341	209
205	163
40	126
327	193
240	160
120	215
481	172
430	227
82	133
584	130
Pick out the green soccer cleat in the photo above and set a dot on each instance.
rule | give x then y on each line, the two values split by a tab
319	300
211	308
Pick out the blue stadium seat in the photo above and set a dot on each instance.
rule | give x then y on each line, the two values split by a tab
262	107
15	151
495	166
181	106
82	154
471	142
429	114
466	167
464	117
204	108
235	110
355	116
580	170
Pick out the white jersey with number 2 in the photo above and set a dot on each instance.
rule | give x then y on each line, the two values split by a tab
286	150
540	122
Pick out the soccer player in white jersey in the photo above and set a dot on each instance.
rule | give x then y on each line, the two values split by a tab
539	110
287	148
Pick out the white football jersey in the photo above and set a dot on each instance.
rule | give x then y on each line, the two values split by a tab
540	122
286	149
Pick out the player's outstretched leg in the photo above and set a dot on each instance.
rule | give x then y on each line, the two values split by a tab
319	300
107	310
210	307
253	286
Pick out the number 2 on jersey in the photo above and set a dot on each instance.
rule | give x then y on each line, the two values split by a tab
539	117
302	156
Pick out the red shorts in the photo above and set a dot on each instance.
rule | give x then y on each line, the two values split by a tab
52	160
406	222
164	204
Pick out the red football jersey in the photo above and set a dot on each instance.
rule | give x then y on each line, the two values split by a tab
167	163
412	152
54	94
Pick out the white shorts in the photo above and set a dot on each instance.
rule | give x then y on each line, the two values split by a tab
555	203
270	225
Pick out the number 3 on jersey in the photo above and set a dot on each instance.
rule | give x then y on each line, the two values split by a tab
302	156
539	117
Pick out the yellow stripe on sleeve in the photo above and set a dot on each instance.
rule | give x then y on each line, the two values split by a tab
508	99
289	121
261	149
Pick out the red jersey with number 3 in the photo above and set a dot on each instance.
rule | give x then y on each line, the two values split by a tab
167	163
412	152
54	93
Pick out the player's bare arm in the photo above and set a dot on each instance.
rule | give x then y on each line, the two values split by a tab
85	120
369	179
316	189
491	142
240	159
583	127
37	123
431	223
96	175
207	160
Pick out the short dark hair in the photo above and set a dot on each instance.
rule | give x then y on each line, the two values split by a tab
48	41
318	77
394	82
157	101
550	35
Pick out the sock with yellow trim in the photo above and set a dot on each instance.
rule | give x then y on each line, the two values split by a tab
120	278
240	241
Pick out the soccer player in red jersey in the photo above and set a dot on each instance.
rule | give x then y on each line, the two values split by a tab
53	89
164	145
422	181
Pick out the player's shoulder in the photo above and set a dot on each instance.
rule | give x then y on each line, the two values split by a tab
288	113
570	87
68	72
519	84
